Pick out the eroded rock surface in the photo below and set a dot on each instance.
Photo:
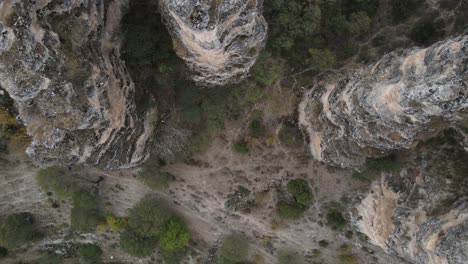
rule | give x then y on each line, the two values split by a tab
219	39
388	105
421	214
60	62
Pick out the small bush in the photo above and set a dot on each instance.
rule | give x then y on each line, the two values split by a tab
267	69
424	31
403	9
153	177
113	223
17	230
335	219
50	259
323	243
241	147
375	166
90	254
84	220
289	257
233	250
137	245
291	210
301	191
175	235
257	129
291	136
3	252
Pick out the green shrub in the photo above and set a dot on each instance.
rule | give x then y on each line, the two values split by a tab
233	250
424	31
375	166
301	191
50	259
3	252
90	254
321	59
359	23
402	9
84	219
267	69
292	210
257	129
175	235
291	136
137	245
153	177
18	229
335	219
148	217
323	243
241	147
289	257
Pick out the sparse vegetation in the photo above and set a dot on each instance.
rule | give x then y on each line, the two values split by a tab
257	128
241	147
233	250
57	180
50	259
290	136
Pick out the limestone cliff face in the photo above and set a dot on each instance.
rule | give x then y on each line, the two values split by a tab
219	39
388	105
421	214
60	62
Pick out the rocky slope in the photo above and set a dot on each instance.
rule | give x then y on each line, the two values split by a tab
219	39
388	105
421	214
60	62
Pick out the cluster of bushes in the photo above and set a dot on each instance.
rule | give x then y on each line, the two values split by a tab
151	225
85	214
302	198
376	166
151	174
335	219
16	230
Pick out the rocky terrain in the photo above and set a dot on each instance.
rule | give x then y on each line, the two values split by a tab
60	62
375	145
219	40
388	105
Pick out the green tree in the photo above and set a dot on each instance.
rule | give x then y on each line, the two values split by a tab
233	250
301	191
321	59
135	244
17	230
148	217
359	23
175	235
290	210
90	254
335	219
257	129
267	69
153	177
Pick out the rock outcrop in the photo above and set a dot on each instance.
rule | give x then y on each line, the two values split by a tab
421	213
218	39
388	105
60	62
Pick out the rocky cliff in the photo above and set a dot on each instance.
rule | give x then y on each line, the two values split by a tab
60	62
219	39
421	213
406	95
